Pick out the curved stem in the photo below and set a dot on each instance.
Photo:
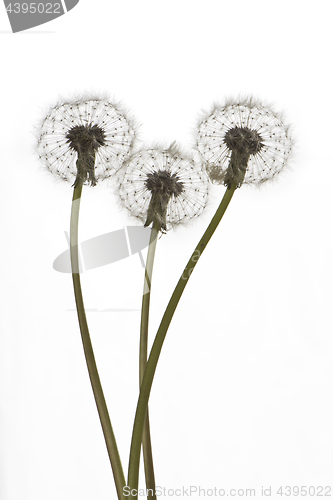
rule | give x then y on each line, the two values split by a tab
146	440
133	469
88	350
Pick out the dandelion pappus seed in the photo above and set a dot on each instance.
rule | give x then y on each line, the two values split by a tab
160	188
243	142
79	143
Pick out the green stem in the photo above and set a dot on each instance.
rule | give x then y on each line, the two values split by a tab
109	437
146	440
133	469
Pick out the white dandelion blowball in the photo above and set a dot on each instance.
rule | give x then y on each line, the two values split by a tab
163	186
243	142
85	141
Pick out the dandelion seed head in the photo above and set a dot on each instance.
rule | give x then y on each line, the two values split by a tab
85	140
163	185
243	142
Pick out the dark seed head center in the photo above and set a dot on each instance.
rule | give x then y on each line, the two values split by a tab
243	140
164	184
86	138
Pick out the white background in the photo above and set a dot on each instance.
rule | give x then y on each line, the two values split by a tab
243	392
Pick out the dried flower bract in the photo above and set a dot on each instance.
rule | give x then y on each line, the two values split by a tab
243	142
85	140
163	186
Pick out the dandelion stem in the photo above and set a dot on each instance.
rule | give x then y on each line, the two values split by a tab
88	350
133	469
146	440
